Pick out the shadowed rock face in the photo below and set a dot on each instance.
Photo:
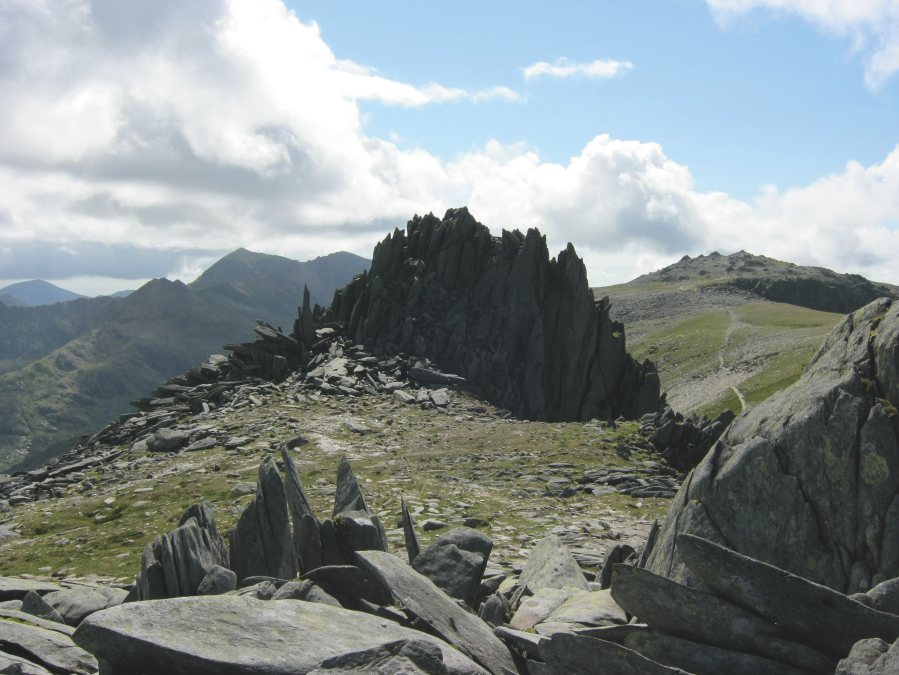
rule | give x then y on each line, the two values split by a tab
807	481
499	312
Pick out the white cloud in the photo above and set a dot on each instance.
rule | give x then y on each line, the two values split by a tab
566	68
873	26
205	126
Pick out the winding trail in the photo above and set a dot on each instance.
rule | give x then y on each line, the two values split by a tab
743	403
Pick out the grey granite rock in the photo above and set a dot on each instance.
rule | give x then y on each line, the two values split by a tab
37	621
15	588
300	509
418	594
566	654
509	315
347	583
862	656
404	657
885	596
262	543
685	612
218	580
35	605
166	440
14	665
538	607
413	547
823	451
493	611
47	648
456	561
594	608
242	634
550	565
74	604
797	655
700	659
825	619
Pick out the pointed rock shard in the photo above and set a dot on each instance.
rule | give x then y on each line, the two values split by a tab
300	509
826	619
310	544
274	522
418	594
413	548
348	496
308	326
685	612
204	514
35	605
248	635
261	543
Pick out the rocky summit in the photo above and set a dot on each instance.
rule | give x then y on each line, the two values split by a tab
359	497
497	311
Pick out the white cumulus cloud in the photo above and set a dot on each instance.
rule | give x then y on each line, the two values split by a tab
567	68
872	25
136	145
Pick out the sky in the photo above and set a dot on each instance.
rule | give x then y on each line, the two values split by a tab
143	139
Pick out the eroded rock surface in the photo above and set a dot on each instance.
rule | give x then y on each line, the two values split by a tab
499	313
807	480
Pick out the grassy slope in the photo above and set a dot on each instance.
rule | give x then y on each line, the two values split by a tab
423	448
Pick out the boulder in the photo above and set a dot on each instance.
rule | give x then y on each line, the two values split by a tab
455	562
241	634
167	440
217	581
36	606
13	664
261	542
395	580
700	659
566	654
347	583
824	618
596	608
74	604
37	621
14	588
551	565
863	655
49	649
685	612
538	607
884	597
807	480
405	657
493	610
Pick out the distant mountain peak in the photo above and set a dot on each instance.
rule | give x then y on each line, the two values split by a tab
39	292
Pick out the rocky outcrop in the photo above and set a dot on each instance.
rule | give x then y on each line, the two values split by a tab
684	441
500	313
177	563
807	480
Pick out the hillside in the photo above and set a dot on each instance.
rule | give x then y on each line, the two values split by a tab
726	332
158	331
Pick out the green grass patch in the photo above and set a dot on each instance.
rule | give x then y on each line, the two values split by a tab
791	317
685	347
729	401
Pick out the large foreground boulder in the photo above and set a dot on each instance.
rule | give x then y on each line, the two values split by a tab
807	480
521	325
230	635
